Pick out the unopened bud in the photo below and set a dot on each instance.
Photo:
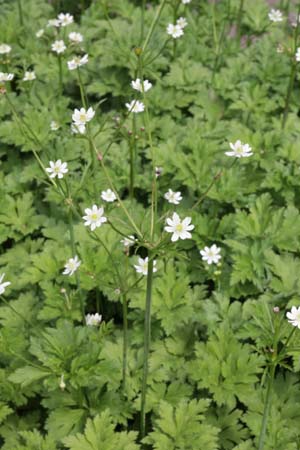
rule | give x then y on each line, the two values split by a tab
129	132
63	291
62	383
138	51
118	291
276	309
142	128
99	156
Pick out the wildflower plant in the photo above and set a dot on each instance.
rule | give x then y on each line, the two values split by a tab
149	225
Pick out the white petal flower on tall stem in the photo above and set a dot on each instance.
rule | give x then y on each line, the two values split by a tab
57	169
4	49
65	19
135	106
211	254
75	37
82	116
173	197
94	217
77	61
71	266
239	150
294	316
6	76
29	75
93	320
180	229
185	2
58	47
3	285
108	196
174	30
182	22
275	15
141	86
142	266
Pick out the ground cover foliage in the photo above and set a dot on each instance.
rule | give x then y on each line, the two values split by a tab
222	372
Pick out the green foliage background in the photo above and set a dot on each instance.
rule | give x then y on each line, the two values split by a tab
211	332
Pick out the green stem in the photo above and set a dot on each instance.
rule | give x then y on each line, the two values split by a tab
20	13
143	6
82	91
153	25
133	153
147	340
125	340
267	406
239	20
60	76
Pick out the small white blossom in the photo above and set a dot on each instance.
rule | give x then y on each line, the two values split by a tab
185	2
141	86
108	195
135	106
6	76
39	33
211	254
78	128
173	197
62	383
128	241
94	217
58	47
75	37
275	15
53	23
77	61
180	229
3	285
54	126
174	30
71	266
82	116
65	19
142	266
294	316
93	319
4	49
29	75
182	22
57	169
239	150
297	55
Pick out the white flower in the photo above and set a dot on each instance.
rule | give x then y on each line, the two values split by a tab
6	76
57	169
182	22
58	47
94	217
180	228
71	266
108	196
135	106
141	87
211	254
39	33
62	383
75	37
29	76
53	23
174	30
3	285
173	197
185	2
297	56
81	116
78	128
54	126
65	19
142	266
93	319
128	241
293	316
77	61
239	150
275	15
4	48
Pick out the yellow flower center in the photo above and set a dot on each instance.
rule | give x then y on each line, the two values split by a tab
179	227
94	216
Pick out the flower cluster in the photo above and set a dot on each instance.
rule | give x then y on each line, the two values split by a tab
176	30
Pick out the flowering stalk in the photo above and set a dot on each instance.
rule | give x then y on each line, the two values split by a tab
20	13
267	406
153	25
82	90
147	340
239	20
125	339
292	74
60	77
133	153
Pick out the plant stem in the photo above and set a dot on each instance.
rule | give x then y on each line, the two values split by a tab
20	13
132	157
82	91
239	20
143	6
147	340
125	340
60	77
292	74
267	406
153	25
